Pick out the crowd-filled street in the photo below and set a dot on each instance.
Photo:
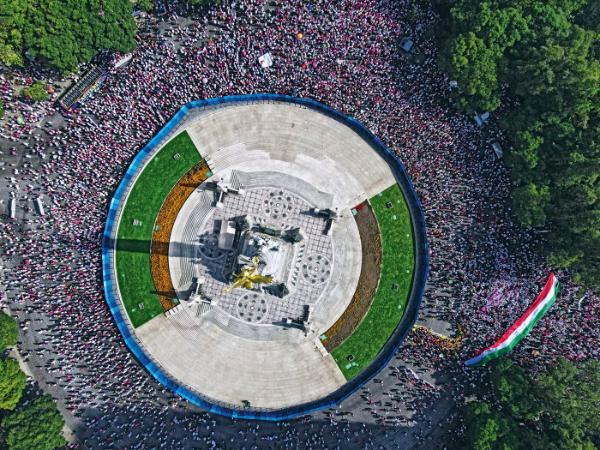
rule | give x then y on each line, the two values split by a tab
484	268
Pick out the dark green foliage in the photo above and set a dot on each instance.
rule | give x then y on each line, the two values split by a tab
145	5
487	427
571	398
589	16
12	383
8	331
530	201
482	33
543	56
474	67
555	410
1	109
35	427
64	33
36	92
12	23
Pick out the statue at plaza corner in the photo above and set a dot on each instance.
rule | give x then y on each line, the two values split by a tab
249	276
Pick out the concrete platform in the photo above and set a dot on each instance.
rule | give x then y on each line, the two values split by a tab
326	165
343	248
230	369
295	140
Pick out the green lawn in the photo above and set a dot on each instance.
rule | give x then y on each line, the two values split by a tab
133	241
394	285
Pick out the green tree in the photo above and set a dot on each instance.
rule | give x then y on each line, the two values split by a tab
524	157
8	54
9	331
555	410
554	74
482	34
589	16
64	33
145	5
484	426
543	57
12	383
513	389
12	21
1	109
36	427
529	202
36	92
474	66
570	395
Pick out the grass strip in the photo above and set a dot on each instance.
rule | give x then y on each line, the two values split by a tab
134	236
395	282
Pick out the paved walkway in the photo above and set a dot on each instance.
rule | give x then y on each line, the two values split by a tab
294	140
269	374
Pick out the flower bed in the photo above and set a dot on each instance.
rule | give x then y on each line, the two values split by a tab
397	268
159	249
367	282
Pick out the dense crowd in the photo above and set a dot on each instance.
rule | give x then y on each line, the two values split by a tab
484	269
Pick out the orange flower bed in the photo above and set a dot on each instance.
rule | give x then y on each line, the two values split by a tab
159	250
367	281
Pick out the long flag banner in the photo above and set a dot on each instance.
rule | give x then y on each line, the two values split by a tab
521	327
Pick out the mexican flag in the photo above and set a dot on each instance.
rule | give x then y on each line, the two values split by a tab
521	327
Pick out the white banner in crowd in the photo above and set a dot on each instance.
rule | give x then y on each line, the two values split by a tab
266	60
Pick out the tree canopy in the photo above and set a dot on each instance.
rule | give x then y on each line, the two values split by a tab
36	92
63	33
8	331
37	426
33	426
145	5
542	56
557	409
12	383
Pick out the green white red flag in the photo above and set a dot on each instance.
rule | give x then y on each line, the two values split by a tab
521	327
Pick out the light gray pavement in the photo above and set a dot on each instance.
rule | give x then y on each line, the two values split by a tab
297	141
222	366
329	300
33	354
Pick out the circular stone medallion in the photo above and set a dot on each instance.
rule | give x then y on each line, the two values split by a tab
278	204
316	269
251	307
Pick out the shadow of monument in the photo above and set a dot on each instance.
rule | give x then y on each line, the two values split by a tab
177	249
170	249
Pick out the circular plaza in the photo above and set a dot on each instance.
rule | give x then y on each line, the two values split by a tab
264	256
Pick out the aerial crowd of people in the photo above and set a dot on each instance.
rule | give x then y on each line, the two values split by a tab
484	268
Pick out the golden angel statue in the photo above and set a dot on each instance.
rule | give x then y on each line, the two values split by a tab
249	276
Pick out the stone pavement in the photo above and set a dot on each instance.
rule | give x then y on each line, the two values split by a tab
222	366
